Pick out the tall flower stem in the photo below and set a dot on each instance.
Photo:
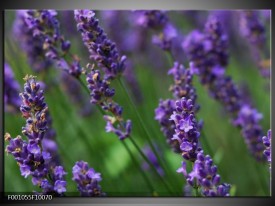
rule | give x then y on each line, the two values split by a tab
138	167
150	163
124	88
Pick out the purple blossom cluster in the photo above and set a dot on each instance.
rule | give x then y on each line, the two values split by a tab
87	180
159	21
251	27
102	50
30	155
208	51
44	26
204	176
267	143
182	87
32	45
248	120
12	88
186	128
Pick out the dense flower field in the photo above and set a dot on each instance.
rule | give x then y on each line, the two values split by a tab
137	103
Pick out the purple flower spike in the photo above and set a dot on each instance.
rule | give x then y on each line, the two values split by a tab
44	26
87	180
187	130
33	159
204	176
32	45
251	27
101	94
102	50
11	98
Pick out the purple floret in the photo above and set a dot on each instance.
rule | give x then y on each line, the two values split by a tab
87	180
12	88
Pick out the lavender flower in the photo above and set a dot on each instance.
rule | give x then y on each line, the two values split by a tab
248	119
101	49
182	87
11	98
30	155
254	31
87	179
267	143
204	177
153	159
166	37
152	19
187	129
32	45
251	28
44	25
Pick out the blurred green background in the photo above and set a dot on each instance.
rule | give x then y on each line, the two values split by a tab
84	138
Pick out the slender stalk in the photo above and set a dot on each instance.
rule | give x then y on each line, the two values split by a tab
205	142
149	162
137	165
142	124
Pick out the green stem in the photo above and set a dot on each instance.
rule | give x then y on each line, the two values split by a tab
151	165
138	167
142	124
205	142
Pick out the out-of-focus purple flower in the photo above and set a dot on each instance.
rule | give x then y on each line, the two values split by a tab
204	177
167	35
32	45
73	89
87	179
153	159
43	25
152	19
129	39
101	49
12	88
30	155
267	143
187	130
208	52
248	120
252	28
